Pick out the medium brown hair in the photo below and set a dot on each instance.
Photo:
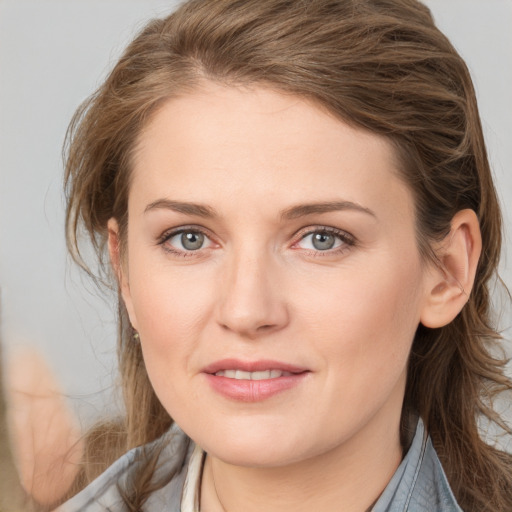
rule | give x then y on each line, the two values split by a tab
381	65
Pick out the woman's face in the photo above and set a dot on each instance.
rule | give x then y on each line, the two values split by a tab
273	275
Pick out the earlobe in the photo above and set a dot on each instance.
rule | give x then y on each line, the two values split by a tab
114	249
449	282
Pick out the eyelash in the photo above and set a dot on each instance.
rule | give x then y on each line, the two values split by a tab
168	235
347	240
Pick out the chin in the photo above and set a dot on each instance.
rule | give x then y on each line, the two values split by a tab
256	448
252	456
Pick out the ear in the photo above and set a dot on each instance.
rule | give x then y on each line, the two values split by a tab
450	281
119	268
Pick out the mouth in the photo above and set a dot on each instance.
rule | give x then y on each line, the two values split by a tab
253	381
243	375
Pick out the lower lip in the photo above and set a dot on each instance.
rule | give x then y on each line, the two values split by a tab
253	390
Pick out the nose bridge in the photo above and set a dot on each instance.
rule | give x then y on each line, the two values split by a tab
251	302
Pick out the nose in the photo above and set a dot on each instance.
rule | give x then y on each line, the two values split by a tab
252	301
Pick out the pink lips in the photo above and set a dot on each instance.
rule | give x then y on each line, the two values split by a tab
247	390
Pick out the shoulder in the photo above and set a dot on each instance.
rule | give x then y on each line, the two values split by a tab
105	492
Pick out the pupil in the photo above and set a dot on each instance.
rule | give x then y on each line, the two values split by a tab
323	241
192	241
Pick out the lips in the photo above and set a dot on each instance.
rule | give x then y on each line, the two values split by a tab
252	381
243	375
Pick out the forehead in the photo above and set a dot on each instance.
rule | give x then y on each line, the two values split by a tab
220	142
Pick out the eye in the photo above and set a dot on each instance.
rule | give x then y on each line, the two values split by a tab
187	240
324	240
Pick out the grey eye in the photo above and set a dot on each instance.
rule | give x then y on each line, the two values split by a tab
192	240
189	240
323	241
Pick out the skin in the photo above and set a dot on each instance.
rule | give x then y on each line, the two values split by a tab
45	436
259	289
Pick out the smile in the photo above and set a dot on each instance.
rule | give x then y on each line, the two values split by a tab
253	381
244	375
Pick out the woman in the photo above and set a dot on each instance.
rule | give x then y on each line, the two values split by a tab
300	216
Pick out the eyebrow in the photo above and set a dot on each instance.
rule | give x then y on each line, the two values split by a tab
198	210
303	210
295	212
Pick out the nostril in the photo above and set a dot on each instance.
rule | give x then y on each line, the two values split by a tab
265	327
250	332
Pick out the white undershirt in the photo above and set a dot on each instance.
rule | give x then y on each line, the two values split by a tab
190	495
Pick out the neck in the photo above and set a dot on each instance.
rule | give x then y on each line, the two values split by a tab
350	477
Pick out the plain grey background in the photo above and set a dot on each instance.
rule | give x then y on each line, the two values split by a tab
53	54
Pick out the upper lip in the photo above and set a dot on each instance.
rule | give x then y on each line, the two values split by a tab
252	366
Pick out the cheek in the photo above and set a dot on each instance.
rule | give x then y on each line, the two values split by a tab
171	311
363	330
173	306
367	318
161	291
170	307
